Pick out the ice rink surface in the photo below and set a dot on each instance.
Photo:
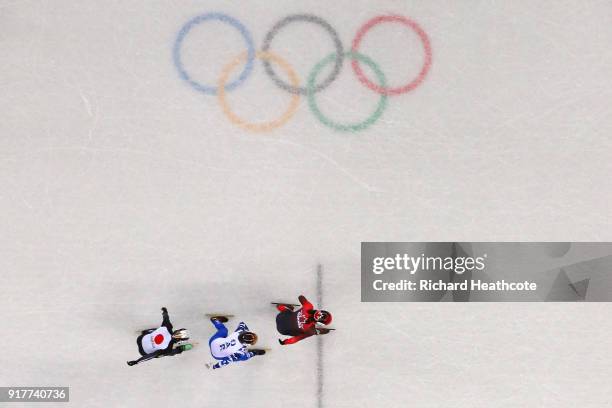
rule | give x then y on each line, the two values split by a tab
125	189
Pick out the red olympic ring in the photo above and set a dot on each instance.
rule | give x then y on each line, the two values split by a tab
408	23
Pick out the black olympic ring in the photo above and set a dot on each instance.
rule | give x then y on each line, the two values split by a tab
308	18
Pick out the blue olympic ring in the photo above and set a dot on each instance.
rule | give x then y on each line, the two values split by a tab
224	18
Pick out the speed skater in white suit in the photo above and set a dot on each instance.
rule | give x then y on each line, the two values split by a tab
228	348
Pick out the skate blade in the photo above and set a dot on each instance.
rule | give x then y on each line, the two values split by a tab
218	314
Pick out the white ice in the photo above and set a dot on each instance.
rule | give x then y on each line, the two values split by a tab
125	190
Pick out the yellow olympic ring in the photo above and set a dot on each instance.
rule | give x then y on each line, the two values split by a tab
262	126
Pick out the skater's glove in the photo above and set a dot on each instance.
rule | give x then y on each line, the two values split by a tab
281	342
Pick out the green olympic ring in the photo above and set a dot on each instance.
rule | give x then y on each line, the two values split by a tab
351	127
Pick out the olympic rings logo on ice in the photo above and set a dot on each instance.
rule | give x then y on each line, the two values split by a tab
314	84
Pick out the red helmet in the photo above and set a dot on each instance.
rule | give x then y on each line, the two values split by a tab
323	316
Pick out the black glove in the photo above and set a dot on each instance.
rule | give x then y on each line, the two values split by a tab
131	363
281	342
